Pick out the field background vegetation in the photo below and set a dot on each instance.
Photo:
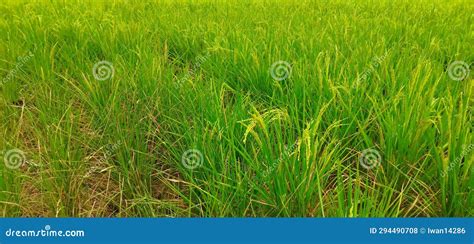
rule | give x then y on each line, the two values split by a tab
196	75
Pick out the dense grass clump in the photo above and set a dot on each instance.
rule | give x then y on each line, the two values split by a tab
236	108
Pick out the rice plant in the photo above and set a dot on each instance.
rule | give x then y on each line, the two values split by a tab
292	108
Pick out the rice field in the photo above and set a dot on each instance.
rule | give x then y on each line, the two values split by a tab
292	108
